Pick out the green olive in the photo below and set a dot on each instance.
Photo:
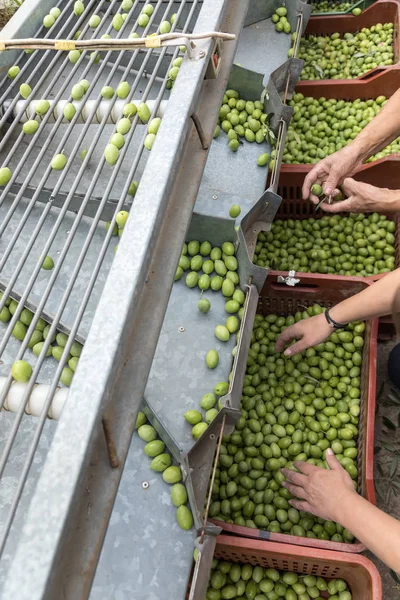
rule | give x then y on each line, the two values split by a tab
25	90
123	90
48	21
107	92
69	111
21	371
111	154
5	175
58	162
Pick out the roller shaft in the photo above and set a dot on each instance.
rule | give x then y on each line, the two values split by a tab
84	108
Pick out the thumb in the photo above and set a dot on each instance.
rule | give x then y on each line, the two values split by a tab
331	182
351	186
332	461
342	206
296	348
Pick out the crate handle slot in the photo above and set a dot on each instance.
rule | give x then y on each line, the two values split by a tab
307	289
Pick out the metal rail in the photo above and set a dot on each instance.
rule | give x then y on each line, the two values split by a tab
117	380
6	451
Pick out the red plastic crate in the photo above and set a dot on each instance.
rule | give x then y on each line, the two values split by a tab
294	207
383	11
278	298
382	172
360	574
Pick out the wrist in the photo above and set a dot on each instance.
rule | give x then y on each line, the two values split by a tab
345	504
389	201
358	151
337	314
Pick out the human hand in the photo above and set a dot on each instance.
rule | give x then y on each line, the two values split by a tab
331	171
309	332
362	197
320	491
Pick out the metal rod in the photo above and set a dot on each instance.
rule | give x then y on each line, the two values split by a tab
123	44
209	496
42	61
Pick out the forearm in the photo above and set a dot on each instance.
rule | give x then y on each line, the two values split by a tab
378	531
382	130
380	299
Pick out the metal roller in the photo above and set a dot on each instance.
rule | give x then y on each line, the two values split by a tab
108	109
36	400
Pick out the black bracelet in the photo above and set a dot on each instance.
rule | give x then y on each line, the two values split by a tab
333	323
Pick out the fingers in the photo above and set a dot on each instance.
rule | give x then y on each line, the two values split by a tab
293	477
332	461
286	337
314	199
304	467
297	347
295	490
351	187
332	181
342	206
313	176
301	505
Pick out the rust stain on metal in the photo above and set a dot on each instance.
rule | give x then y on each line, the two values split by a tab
111	450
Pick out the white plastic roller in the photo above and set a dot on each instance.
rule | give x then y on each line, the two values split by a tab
36	400
86	107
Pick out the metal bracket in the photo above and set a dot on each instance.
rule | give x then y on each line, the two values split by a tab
202	567
199	461
215	61
248	83
233	397
281	84
290	280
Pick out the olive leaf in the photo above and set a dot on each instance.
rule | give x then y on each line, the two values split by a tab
318	70
395	392
396	485
378	490
393	467
388	423
389	447
394	399
359	55
381	389
297	138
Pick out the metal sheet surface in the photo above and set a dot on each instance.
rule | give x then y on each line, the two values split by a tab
179	376
145	519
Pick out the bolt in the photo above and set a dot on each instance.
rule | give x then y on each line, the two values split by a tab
212	436
145	485
215	197
181	329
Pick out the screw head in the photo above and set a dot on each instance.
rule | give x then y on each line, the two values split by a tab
145	485
181	329
215	197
